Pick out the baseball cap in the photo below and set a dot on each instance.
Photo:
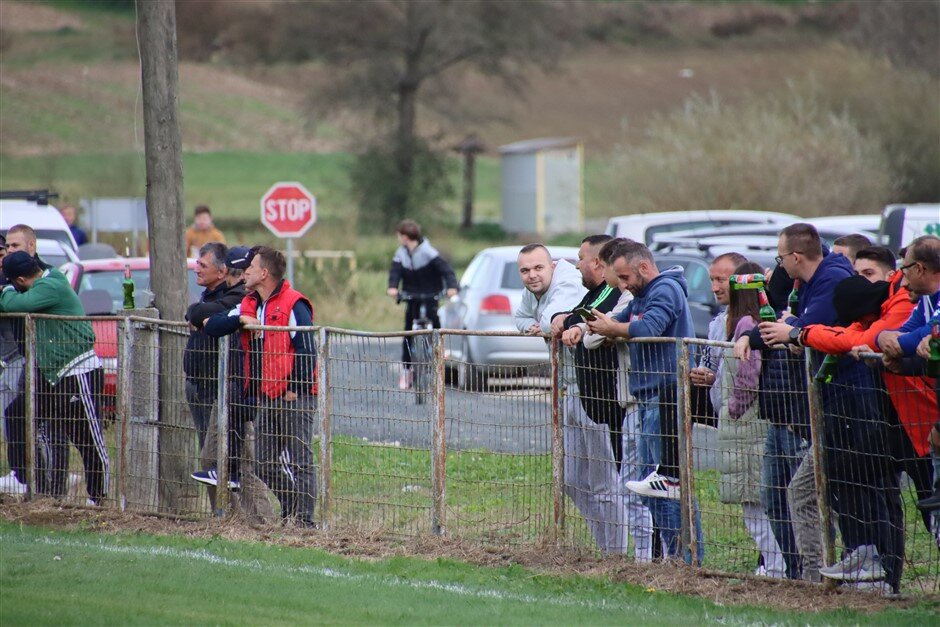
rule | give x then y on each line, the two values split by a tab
238	257
19	264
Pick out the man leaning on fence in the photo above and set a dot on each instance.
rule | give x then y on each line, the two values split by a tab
280	369
659	309
852	413
70	375
593	432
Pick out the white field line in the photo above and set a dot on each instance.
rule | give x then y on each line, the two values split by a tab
258	566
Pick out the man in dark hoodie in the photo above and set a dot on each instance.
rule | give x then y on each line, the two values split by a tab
659	309
201	356
418	269
847	403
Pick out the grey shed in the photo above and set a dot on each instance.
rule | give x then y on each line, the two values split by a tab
542	186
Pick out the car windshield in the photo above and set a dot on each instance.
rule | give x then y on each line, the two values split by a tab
111	281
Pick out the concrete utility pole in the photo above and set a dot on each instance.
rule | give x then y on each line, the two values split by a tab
156	26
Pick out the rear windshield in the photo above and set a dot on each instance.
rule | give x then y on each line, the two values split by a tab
512	280
111	281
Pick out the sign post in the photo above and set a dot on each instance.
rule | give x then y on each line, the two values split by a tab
288	210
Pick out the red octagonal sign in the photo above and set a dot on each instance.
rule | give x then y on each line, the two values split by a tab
288	209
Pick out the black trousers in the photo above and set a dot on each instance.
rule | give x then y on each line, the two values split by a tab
68	412
412	310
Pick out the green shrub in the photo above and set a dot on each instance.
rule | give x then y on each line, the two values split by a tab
789	154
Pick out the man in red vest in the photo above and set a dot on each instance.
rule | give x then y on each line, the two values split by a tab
280	378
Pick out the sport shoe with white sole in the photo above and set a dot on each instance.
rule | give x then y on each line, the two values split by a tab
9	484
211	477
656	485
862	564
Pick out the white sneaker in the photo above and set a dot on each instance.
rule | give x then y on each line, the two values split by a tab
405	380
656	485
862	564
9	484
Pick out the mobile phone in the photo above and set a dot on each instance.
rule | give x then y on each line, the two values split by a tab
585	313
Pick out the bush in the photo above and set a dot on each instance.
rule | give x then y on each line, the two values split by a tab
791	154
386	197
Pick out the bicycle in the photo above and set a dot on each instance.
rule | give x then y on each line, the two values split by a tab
422	353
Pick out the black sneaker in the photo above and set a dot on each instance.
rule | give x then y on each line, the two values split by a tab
211	477
930	503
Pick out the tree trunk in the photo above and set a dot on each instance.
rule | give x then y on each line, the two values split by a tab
404	150
156	25
469	177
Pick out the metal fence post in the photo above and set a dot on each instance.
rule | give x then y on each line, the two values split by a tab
222	419
29	385
325	398
124	406
438	441
558	446
686	474
817	431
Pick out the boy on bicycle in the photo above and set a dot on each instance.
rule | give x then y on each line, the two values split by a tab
418	268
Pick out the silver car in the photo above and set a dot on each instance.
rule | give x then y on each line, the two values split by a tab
490	291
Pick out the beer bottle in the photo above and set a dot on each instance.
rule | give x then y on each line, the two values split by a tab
128	285
933	362
828	368
766	312
793	300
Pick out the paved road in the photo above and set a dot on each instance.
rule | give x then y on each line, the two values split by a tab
512	416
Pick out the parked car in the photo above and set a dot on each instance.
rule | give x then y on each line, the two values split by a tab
32	208
643	227
99	285
490	291
695	261
748	235
901	224
54	252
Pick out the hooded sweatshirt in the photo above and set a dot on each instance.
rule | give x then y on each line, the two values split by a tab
421	271
661	309
563	294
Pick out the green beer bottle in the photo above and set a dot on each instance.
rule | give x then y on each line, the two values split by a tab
767	313
933	362
828	368
793	300
128	285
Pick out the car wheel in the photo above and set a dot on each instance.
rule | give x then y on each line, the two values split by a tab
470	377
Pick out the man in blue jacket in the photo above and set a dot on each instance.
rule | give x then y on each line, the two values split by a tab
659	309
852	415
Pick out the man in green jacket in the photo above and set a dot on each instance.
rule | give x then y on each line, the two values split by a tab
70	375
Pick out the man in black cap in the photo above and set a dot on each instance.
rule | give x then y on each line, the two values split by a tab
70	374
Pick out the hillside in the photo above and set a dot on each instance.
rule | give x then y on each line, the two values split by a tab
69	84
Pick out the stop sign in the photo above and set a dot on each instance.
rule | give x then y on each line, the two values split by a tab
288	209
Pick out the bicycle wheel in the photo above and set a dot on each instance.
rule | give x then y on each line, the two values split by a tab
421	358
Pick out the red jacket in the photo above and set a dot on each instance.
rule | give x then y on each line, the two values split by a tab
914	398
277	350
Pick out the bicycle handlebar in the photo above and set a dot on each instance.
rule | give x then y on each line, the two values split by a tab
418	296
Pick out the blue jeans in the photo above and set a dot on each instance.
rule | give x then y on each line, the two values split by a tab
783	451
665	512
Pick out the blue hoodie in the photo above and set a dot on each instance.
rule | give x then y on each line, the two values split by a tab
660	310
917	327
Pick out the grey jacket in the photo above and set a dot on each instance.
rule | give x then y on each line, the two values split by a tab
563	294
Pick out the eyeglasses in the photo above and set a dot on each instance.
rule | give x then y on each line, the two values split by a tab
908	266
779	258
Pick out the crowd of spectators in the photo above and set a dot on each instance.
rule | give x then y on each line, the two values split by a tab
880	417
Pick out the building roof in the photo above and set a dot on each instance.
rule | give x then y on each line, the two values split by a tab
537	145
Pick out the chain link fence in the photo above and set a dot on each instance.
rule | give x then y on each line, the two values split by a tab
778	475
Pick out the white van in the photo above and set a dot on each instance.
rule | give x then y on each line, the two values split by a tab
641	227
43	218
901	224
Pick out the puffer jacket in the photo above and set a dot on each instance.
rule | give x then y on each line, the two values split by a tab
741	432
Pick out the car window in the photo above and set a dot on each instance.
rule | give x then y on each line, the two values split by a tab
696	276
688	225
512	280
111	281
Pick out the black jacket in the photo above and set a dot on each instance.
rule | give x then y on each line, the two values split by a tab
201	358
421	271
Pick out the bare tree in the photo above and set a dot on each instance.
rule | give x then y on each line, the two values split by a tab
907	33
156	21
393	58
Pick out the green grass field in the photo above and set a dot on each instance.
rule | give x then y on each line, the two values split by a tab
56	578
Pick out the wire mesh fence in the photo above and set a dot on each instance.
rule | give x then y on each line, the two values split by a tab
766	471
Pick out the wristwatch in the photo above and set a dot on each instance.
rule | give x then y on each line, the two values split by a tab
795	335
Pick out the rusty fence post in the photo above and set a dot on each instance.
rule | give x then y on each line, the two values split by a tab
325	402
686	450
222	495
438	440
558	446
123	409
29	386
817	431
